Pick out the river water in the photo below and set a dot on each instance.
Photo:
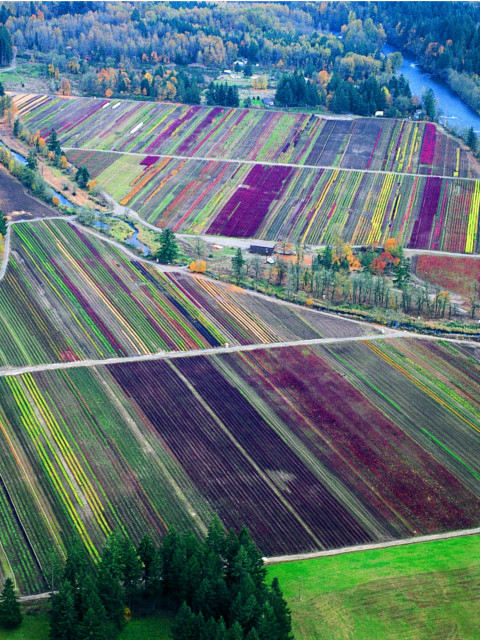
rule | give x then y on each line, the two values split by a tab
455	113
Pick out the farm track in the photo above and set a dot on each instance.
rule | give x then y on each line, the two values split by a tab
268	163
370	547
169	355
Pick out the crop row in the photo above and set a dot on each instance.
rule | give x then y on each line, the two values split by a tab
68	296
220	133
311	448
311	205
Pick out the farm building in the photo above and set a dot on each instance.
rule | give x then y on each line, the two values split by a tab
263	248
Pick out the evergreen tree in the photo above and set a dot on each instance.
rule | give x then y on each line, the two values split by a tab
237	265
63	617
6	52
52	143
472	139
168	249
109	575
32	160
82	176
146	553
3	224
17	127
10	613
185	625
130	569
92	612
429	105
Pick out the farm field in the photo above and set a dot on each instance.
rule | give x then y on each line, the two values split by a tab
422	591
68	296
366	178
311	447
448	272
307	205
228	134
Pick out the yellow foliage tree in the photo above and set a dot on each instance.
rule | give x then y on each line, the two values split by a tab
63	163
65	87
108	93
198	266
259	83
56	201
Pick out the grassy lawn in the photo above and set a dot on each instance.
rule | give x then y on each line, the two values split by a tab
35	627
423	591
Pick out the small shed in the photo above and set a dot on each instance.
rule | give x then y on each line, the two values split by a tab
263	248
268	102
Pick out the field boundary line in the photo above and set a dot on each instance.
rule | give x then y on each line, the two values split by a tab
371	547
269	163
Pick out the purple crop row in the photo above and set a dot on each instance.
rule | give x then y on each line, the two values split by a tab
216	466
428	146
172	127
204	124
422	228
245	211
149	160
325	516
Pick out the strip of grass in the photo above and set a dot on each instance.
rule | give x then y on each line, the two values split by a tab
36	627
422	591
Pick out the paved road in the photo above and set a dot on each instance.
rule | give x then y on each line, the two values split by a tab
376	545
265	162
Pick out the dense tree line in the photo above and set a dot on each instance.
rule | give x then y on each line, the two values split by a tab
136	49
217	587
372	279
222	94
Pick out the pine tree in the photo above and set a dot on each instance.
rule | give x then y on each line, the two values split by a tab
168	249
184	627
3	224
10	613
52	143
283	625
146	553
63	618
82	176
237	265
17	127
32	160
109	574
130	569
6	52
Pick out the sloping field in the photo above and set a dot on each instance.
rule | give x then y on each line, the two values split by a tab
222	133
308	205
68	296
420	197
310	447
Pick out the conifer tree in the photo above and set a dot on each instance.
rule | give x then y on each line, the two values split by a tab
63	618
168	248
3	224
10	613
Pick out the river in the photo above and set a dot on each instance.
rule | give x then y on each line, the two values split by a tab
455	113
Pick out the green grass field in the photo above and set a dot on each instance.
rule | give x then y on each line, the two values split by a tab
35	627
419	592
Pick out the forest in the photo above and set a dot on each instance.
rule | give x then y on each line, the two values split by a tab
173	51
